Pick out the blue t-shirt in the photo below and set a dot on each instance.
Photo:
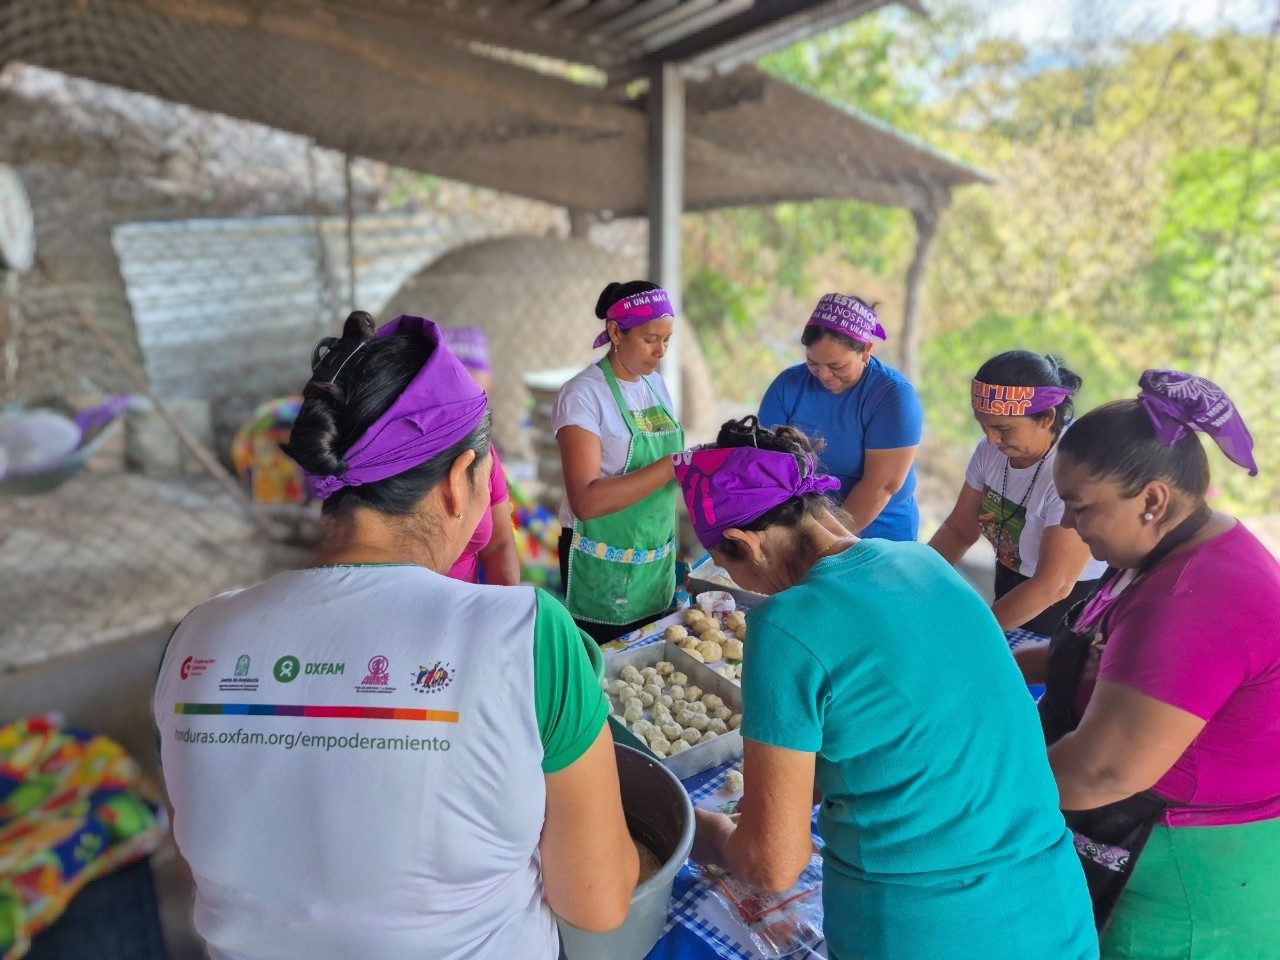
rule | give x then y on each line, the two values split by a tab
879	412
885	663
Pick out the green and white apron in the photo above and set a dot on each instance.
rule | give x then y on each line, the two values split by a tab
622	567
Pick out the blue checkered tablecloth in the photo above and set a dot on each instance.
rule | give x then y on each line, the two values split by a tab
700	926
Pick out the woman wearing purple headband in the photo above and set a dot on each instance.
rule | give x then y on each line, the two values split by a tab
875	673
865	412
422	762
616	431
1023	402
491	552
1162	706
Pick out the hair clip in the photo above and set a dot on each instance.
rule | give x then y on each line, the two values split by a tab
330	356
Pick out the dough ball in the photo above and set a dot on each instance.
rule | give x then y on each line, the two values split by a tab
642	728
660	745
692	693
646	698
653	689
629	674
620	688
633	710
667	700
649	673
678	678
733	781
697	721
671	730
693	615
711	701
710	651
693	652
719	726
675	634
689	643
679	746
676	692
735	721
666	668
714	635
695	707
691	736
733	649
721	712
709	735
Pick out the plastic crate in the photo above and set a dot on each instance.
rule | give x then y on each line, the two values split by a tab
114	918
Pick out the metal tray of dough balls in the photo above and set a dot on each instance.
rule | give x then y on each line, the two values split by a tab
702	755
722	650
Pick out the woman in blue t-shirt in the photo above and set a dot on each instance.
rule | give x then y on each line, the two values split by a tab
866	415
877	675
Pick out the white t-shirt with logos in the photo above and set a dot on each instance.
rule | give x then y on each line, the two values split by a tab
587	402
354	760
1017	511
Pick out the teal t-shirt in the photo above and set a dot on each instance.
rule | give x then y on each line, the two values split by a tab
884	662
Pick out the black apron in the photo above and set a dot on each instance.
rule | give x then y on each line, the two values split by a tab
1108	839
1048	619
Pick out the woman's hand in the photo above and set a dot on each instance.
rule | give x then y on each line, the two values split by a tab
711	832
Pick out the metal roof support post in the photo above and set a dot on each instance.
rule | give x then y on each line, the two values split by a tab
926	221
666	200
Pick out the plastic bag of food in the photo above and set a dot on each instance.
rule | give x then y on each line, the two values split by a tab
779	924
716	602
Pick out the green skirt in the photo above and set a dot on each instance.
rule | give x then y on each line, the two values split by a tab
1201	893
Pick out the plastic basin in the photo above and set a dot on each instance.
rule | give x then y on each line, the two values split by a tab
660	815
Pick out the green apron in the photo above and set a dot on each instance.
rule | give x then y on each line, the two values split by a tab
622	567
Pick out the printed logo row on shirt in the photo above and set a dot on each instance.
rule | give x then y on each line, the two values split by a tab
425	679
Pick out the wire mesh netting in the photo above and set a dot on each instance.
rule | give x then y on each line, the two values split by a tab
1098	181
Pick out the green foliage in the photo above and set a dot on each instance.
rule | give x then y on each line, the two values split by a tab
1135	222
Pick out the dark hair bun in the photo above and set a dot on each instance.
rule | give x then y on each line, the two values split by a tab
608	297
1066	377
359	325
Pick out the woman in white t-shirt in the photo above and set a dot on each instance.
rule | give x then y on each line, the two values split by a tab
365	757
1023	402
616	428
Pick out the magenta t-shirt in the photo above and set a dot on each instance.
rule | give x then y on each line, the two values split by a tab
1202	633
467	566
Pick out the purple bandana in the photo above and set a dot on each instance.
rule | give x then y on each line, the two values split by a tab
733	486
470	346
1016	401
637	309
1180	402
439	407
846	315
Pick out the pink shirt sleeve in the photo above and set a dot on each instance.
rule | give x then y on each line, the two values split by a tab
497	481
1181	646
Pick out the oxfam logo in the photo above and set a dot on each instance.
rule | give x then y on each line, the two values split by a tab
287	669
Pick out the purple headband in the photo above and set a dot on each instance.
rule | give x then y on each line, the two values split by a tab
733	486
847	315
470	346
1002	401
439	407
637	309
1178	403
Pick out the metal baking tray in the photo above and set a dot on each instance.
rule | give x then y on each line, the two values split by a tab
701	756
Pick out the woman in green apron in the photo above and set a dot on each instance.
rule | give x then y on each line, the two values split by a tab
616	432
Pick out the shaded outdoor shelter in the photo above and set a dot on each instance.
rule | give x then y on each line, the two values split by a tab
537	99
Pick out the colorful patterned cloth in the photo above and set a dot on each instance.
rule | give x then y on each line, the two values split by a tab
73	808
268	475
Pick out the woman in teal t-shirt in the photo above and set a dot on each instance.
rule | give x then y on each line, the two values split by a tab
877	675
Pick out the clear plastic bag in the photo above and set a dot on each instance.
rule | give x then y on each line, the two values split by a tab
716	603
779	924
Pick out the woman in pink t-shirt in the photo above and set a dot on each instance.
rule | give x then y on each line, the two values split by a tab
492	548
1163	702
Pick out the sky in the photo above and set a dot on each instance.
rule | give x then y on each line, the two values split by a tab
1043	22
